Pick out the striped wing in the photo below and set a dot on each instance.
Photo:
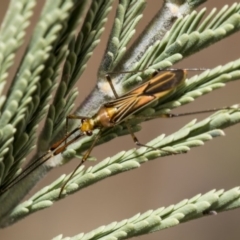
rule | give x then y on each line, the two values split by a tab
146	93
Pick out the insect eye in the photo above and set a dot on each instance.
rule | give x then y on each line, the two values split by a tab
89	133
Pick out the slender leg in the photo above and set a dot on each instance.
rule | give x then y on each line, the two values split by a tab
161	70
135	139
172	115
85	156
108	78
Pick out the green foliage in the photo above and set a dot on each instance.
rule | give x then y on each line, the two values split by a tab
56	57
199	206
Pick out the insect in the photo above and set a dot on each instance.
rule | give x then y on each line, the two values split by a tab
111	114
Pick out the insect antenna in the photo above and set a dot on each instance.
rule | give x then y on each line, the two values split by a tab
53	151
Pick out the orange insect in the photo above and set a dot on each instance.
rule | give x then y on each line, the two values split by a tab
111	114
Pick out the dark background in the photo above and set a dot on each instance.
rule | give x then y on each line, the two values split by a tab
158	183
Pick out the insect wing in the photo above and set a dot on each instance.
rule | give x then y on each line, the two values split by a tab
146	93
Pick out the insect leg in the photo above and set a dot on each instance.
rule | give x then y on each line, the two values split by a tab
84	158
172	115
109	79
136	141
156	71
